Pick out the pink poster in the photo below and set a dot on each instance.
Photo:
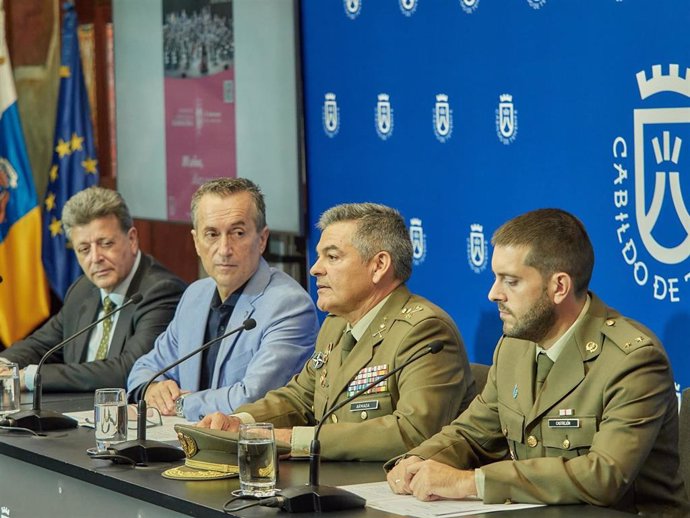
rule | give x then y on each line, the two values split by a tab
199	98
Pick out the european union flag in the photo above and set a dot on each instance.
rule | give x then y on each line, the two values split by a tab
24	292
74	165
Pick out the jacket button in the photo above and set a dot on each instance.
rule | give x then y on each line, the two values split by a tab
334	418
566	444
364	415
532	441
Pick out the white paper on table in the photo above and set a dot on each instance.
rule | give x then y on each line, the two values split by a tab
164	432
379	496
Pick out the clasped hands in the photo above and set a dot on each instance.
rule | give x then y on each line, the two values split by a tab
430	480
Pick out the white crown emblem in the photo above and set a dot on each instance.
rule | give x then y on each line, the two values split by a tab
418	239
506	119
442	118
384	117
477	256
331	115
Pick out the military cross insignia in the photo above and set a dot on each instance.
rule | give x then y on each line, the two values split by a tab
323	378
381	329
408	312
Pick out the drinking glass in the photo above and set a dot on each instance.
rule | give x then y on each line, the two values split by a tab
10	395
110	417
257	459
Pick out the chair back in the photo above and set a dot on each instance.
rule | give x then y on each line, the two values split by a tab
480	372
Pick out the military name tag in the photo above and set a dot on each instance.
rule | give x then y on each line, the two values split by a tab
364	405
564	423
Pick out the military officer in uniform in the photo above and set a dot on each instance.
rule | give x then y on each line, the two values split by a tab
579	405
374	325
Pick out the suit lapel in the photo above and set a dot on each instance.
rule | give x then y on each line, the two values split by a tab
90	306
117	343
522	391
243	310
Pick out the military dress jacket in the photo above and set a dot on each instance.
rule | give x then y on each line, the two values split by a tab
603	431
414	404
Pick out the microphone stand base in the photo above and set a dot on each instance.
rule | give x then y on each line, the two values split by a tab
142	452
318	499
41	420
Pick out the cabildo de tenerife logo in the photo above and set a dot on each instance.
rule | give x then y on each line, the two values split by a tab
469	6
352	8
506	119
651	168
408	7
331	115
418	238
477	249
443	118
384	116
536	4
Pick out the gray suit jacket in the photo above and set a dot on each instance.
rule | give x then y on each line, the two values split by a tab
136	330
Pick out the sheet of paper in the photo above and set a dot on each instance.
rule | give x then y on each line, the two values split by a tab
379	496
164	432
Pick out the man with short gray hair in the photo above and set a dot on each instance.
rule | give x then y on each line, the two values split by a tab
374	325
99	226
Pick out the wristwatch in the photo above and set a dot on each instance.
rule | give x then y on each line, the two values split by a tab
179	405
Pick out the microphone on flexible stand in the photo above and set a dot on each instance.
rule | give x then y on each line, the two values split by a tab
40	420
314	497
142	451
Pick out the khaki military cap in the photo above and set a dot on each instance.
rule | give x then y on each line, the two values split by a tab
210	454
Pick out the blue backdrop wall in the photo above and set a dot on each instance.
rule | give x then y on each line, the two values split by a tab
465	113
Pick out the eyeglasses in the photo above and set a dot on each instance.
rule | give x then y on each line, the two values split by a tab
153	417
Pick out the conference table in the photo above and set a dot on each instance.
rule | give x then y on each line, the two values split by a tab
52	476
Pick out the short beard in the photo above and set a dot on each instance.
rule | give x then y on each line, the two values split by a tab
536	323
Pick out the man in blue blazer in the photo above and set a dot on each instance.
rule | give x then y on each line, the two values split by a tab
230	234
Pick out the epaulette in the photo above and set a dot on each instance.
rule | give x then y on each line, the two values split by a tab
625	335
413	313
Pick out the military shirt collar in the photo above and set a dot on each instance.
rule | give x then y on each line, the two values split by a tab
557	348
363	324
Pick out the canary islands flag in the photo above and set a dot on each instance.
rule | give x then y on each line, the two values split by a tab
24	290
74	166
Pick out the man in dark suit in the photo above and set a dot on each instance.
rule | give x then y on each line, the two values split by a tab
99	226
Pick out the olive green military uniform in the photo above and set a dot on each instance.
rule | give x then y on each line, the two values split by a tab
414	404
604	429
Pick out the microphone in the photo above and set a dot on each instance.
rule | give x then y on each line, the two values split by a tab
142	451
42	420
317	498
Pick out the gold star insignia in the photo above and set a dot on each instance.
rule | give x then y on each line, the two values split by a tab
65	71
89	165
63	148
55	227
50	201
77	142
53	173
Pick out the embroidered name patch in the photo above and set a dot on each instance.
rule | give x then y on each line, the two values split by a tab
564	423
364	405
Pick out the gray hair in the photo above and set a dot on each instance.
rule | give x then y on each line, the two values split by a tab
379	228
93	203
557	240
225	187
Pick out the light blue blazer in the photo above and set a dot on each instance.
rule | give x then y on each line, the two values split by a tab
249	363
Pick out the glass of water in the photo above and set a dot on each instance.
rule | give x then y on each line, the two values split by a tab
257	459
10	397
110	417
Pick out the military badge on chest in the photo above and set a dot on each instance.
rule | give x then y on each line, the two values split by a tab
366	376
320	361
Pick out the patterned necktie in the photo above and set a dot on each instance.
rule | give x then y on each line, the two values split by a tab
108	306
544	364
347	342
